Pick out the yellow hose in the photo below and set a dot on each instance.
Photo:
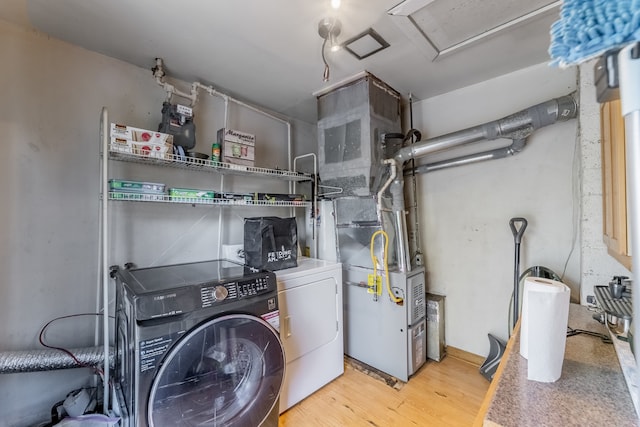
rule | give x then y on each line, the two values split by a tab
385	254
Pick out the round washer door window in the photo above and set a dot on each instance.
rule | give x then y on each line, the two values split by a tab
226	372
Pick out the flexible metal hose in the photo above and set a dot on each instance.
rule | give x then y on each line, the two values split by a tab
49	360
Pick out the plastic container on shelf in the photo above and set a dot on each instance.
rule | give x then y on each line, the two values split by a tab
215	152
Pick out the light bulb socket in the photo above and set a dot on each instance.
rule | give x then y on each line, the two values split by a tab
329	28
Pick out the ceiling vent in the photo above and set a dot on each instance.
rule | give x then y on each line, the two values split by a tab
442	27
365	44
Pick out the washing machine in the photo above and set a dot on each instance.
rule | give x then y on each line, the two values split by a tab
198	345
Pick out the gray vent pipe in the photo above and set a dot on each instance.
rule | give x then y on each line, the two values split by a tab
50	359
517	127
513	149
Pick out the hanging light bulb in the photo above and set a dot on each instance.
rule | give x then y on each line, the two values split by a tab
335	4
335	46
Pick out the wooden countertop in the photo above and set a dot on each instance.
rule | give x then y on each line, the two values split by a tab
591	390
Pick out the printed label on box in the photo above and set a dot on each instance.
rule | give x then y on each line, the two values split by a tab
233	135
240	154
237	147
141	142
163	150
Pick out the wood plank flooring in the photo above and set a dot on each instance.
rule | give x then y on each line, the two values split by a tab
446	393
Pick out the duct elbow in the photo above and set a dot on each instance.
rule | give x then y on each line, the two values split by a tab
403	155
566	108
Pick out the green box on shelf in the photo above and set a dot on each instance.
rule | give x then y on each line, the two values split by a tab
192	193
121	185
130	195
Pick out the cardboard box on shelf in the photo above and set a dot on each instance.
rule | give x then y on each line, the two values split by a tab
141	142
192	193
246	197
237	147
122	185
276	197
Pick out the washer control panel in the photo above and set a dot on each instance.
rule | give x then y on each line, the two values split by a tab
226	292
253	287
212	294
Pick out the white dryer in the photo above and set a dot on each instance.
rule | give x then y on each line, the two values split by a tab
311	327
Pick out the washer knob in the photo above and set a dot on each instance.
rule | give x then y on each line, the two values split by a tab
220	293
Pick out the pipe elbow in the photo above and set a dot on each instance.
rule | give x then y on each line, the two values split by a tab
403	155
517	146
158	70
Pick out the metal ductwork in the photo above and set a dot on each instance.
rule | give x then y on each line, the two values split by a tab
516	126
516	146
359	126
50	359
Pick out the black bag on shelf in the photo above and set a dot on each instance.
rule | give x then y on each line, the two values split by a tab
271	243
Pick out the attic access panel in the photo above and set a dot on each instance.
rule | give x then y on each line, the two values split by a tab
441	27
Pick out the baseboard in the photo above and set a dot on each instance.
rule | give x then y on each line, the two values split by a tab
471	358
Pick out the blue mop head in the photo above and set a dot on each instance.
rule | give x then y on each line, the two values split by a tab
588	28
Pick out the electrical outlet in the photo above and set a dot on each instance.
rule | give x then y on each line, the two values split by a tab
591	299
233	253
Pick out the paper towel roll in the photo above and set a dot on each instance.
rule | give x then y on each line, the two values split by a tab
543	327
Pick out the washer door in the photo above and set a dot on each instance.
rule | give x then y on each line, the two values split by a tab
227	371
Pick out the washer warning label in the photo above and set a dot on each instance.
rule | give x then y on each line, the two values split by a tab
152	350
273	318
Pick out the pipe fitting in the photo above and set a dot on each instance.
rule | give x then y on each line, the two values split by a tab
392	176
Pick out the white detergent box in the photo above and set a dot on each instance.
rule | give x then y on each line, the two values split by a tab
141	142
237	147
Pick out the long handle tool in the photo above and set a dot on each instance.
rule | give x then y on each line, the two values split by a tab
518	225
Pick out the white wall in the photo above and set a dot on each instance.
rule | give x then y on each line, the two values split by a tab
53	94
465	211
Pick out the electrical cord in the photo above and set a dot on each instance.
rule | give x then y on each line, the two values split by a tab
64	350
575	207
605	339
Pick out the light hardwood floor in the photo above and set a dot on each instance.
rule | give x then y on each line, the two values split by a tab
446	393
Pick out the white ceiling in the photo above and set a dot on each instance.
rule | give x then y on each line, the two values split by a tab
268	52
